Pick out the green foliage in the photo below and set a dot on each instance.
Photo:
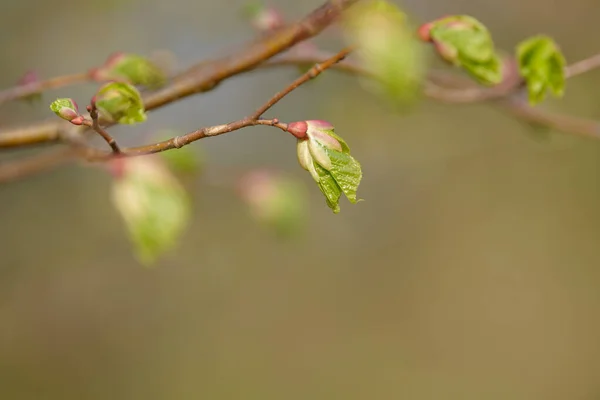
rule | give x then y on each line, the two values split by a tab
464	41
155	207
120	102
131	68
275	201
327	157
387	47
542	65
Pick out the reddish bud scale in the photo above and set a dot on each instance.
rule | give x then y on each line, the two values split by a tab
298	129
424	32
77	120
29	78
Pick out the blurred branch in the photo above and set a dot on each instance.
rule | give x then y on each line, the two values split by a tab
28	89
439	85
14	170
583	66
17	169
251	120
449	87
205	75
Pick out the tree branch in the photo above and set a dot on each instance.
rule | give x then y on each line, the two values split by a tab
251	120
206	75
28	89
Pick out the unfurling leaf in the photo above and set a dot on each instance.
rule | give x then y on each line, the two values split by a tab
542	65
275	200
327	157
153	204
464	41
120	102
130	68
387	47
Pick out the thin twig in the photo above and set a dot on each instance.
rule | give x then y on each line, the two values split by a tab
95	125
28	89
583	66
17	169
205	76
310	74
252	120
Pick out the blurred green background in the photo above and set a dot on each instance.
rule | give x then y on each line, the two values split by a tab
471	271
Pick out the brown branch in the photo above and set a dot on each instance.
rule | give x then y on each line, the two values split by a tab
583	66
95	125
13	170
28	89
560	122
207	75
251	120
311	74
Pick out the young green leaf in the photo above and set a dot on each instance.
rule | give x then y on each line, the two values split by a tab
120	102
153	204
327	157
464	41
542	65
387	47
130	68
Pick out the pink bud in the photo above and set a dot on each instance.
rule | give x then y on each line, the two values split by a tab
424	32
28	78
267	19
298	129
78	120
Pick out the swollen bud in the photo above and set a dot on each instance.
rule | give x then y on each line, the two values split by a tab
120	102
264	19
66	109
31	79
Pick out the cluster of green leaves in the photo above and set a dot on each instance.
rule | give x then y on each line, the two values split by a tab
154	204
464	41
327	157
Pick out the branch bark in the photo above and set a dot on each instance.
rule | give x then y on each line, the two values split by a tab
205	75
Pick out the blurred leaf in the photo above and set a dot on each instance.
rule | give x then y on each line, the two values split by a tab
464	41
120	102
276	201
388	48
542	65
155	207
131	68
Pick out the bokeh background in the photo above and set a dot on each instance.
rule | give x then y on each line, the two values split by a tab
471	271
